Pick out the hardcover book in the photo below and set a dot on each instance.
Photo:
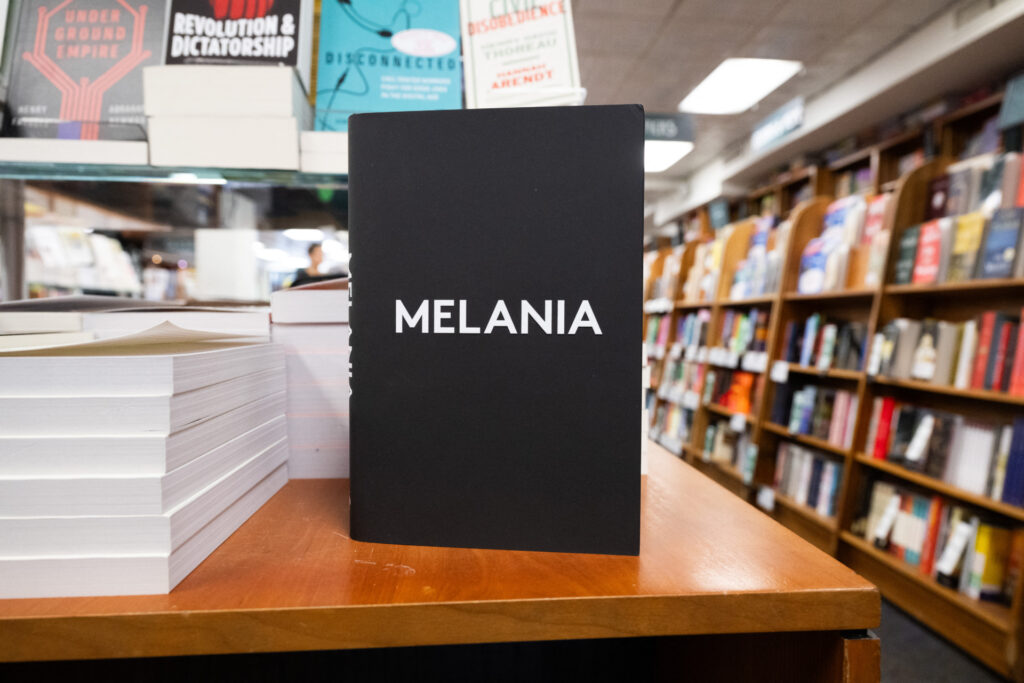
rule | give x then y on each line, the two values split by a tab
77	67
904	269
493	358
999	250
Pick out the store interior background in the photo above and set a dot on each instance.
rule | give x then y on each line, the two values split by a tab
865	63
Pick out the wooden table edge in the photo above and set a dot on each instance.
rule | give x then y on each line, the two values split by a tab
288	629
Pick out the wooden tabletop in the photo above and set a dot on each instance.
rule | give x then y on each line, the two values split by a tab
291	579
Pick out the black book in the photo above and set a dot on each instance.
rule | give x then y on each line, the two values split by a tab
903	432
781	404
494	316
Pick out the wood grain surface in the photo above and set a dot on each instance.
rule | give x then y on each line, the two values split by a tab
291	579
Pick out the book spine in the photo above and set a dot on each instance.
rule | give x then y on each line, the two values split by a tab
988	322
1017	372
931	536
883	429
965	358
997	354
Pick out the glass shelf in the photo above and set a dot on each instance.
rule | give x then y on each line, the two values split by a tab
179	176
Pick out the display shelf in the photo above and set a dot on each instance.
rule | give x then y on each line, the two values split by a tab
827	523
160	174
682	305
748	301
806	440
972	394
831	373
941	487
989	102
862	155
729	412
864	295
291	579
996	615
962	289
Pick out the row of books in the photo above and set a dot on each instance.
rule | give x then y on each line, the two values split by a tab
656	337
825	343
851	250
726	446
960	549
983	458
986	353
692	329
982	183
680	379
961	248
760	271
672	426
744	331
809	477
821	412
732	389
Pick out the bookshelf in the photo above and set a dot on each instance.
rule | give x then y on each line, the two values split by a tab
988	631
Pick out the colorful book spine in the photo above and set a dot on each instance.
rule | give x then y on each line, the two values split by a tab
986	330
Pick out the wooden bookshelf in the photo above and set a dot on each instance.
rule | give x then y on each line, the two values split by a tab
986	630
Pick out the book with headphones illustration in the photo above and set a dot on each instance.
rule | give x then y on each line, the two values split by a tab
386	55
494	317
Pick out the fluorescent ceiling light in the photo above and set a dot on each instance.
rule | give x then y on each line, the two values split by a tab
304	234
736	85
661	155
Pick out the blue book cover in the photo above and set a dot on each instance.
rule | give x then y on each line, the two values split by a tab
999	250
1014	481
386	56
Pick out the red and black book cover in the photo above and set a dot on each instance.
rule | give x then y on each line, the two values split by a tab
233	32
494	309
77	67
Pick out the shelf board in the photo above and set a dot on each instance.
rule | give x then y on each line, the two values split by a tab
169	175
831	373
749	301
842	295
851	159
763	191
989	102
899	139
828	523
728	412
683	305
973	394
994	614
942	487
797	176
968	288
811	441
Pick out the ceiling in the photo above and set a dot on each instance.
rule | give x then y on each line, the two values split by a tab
653	52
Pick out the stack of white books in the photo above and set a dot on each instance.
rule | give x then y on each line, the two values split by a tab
219	116
125	463
311	323
324	151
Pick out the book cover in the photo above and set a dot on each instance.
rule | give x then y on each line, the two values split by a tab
77	67
239	32
929	254
490	326
884	428
386	56
966	243
904	270
931	539
997	350
1004	358
999	249
1016	386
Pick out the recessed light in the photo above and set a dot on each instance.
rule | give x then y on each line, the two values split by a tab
661	155
736	85
304	234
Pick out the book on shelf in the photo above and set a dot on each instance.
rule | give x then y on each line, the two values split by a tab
998	255
809	477
951	544
966	243
819	412
933	249
125	462
906	256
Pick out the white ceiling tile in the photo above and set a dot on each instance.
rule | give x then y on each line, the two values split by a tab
618	35
650	8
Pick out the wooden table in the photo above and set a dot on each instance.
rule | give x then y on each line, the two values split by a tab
291	579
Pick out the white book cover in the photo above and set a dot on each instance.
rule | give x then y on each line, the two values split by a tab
109	415
97	369
239	323
976	455
130	573
153	495
39	322
57	151
225	90
965	357
139	455
224	142
299	305
62	536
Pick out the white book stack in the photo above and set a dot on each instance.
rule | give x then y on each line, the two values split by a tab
122	467
218	116
324	152
311	323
